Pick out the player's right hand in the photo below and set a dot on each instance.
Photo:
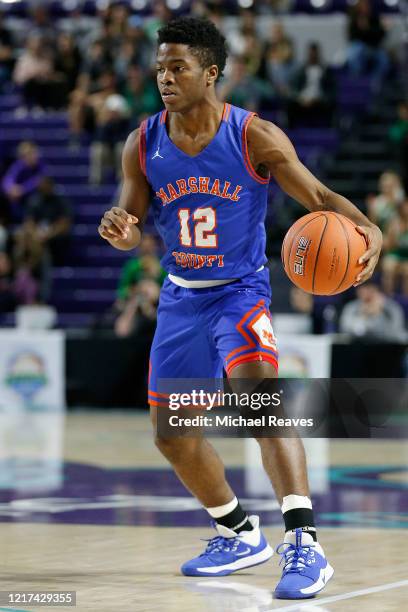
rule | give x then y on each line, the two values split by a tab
116	223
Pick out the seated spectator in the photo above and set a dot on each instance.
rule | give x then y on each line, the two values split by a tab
142	46
366	34
124	59
240	88
382	207
312	102
118	17
245	42
79	25
252	52
399	137
141	95
6	53
49	217
111	132
279	36
278	66
135	308
41	86
373	316
31	268
395	261
41	241
87	102
67	61
161	15
140	311
146	264
20	271
42	22
110	36
96	61
236	37
21	179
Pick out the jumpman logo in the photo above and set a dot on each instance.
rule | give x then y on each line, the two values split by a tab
157	154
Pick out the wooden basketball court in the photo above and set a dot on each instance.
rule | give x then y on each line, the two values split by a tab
120	525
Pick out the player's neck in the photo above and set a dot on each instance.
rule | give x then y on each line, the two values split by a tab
203	117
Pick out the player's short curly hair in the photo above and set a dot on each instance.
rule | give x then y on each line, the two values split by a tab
201	35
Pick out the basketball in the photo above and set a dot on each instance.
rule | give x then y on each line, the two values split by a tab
320	253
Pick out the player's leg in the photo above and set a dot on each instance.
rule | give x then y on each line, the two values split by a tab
181	350
246	341
283	459
306	569
197	464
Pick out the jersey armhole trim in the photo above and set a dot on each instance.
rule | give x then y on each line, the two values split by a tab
142	147
251	170
226	112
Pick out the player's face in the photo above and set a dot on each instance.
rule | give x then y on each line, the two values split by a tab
181	79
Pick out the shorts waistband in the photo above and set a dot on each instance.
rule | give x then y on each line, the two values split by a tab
202	284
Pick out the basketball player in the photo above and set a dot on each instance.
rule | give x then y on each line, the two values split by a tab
204	167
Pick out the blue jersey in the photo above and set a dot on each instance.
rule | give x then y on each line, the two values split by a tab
208	208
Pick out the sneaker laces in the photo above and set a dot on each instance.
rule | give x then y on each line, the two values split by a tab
294	557
220	544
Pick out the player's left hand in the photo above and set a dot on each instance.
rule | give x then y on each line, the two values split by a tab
374	240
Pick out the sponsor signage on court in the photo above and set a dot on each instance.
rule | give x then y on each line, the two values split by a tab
32	400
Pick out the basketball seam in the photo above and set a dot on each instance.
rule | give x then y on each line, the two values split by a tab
283	253
338	217
318	251
294	241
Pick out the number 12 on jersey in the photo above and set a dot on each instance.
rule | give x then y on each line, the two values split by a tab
202	222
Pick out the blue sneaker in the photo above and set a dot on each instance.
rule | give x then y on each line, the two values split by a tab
306	570
230	551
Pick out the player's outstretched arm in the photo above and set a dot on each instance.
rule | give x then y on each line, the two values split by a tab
270	147
121	225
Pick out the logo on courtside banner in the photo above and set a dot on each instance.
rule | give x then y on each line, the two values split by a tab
26	374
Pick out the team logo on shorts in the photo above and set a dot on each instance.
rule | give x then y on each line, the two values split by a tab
263	329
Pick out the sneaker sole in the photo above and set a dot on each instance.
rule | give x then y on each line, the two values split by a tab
225	570
312	591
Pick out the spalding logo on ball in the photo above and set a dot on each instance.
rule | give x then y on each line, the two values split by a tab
320	253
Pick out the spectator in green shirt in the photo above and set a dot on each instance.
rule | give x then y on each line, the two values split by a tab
399	130
141	95
146	265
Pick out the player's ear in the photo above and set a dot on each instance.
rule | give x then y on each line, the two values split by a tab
212	74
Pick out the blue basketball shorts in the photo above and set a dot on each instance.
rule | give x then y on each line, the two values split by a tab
201	331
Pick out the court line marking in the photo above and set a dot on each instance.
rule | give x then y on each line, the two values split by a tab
350	595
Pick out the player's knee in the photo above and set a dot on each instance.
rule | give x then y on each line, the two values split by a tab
169	447
176	448
165	445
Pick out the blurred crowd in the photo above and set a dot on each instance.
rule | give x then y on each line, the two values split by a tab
98	70
101	70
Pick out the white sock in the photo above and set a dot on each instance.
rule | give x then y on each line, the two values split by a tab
218	511
291	502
